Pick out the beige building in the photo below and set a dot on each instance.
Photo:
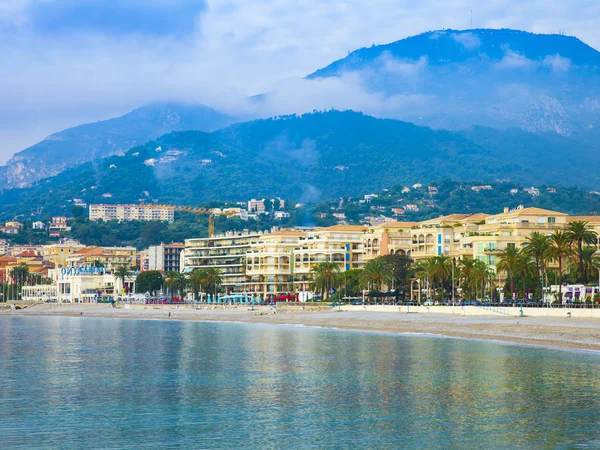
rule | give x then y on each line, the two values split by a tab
342	244
388	239
270	263
110	257
58	253
163	213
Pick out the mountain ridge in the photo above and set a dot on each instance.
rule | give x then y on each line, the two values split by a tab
306	158
497	78
87	142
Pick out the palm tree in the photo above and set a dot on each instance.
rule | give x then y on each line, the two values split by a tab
180	282
375	274
169	279
525	267
560	248
537	246
466	266
590	257
443	270
326	276
195	279
212	280
508	262
425	269
480	274
578	232
120	273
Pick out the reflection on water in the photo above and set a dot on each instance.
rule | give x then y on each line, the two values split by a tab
107	383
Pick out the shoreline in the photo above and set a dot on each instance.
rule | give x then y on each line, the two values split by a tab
553	332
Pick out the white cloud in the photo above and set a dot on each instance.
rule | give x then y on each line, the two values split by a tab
469	40
514	60
237	48
557	63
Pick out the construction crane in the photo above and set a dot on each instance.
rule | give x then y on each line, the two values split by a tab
211	213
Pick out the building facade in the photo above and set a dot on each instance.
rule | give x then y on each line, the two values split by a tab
225	252
58	253
84	284
143	212
165	257
108	257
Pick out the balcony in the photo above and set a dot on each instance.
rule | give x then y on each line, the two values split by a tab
492	251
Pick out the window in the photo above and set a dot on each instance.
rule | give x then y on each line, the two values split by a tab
551	219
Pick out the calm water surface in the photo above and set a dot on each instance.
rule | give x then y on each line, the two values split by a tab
108	383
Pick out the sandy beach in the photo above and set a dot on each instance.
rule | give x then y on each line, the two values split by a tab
576	333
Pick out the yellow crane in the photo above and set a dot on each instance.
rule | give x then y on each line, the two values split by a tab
211	213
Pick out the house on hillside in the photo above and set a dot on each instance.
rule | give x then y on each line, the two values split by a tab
534	192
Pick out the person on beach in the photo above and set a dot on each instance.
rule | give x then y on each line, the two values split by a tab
169	313
81	313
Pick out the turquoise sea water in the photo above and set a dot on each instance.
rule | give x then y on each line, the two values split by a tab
109	383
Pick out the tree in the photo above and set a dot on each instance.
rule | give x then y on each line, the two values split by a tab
326	277
120	273
578	233
537	246
479	275
508	261
376	273
212	279
196	278
350	280
149	281
425	269
560	248
443	270
178	281
19	273
400	265
466	267
525	268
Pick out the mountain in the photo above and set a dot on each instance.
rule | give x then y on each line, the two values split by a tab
307	158
92	141
497	78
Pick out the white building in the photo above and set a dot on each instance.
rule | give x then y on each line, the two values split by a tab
39	225
122	212
256	206
79	285
278	215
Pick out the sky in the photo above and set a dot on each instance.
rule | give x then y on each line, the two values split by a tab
68	62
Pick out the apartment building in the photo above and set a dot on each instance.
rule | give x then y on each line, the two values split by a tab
58	253
270	263
110	257
165	257
142	212
342	244
388	239
226	252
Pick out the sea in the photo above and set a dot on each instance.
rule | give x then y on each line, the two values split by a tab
77	382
